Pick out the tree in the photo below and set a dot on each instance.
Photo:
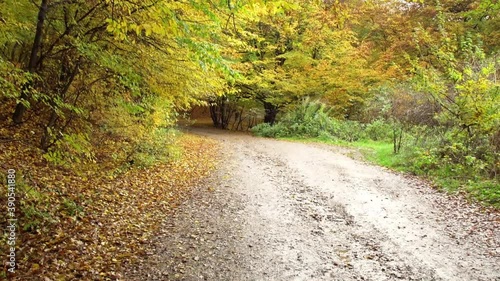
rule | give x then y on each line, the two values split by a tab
295	49
77	65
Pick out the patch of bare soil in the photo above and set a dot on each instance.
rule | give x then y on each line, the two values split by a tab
280	210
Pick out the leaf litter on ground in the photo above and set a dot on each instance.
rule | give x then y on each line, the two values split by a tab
84	225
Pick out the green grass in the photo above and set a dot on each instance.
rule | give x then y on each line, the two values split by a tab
380	153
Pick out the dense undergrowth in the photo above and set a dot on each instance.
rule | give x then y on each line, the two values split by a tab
447	155
83	221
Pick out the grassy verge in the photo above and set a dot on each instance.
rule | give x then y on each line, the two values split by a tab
485	191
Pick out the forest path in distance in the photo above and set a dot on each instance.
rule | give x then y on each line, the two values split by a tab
279	210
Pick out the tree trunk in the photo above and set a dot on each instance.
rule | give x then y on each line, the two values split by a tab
397	138
271	111
20	107
214	115
221	112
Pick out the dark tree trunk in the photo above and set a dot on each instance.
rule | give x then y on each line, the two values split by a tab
221	112
20	107
214	115
271	111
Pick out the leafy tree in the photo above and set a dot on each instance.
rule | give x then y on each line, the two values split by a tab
77	65
294	49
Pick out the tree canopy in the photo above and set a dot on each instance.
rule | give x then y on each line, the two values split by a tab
77	63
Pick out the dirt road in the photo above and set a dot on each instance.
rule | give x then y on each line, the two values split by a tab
281	210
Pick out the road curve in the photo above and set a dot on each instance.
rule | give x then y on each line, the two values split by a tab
278	210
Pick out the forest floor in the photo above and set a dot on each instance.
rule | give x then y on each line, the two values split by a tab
279	210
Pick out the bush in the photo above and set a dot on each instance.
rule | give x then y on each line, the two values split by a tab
449	153
379	130
265	130
350	131
70	148
311	119
158	147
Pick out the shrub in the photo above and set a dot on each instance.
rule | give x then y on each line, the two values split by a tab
449	153
265	130
157	147
347	130
311	119
379	130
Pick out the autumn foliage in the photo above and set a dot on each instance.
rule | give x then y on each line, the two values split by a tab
85	224
92	91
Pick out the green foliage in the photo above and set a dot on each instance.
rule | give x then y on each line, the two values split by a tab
311	119
34	214
379	130
72	208
159	146
450	153
487	191
462	80
11	79
34	217
70	149
269	131
18	21
106	72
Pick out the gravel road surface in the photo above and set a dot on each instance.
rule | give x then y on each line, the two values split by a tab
278	210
